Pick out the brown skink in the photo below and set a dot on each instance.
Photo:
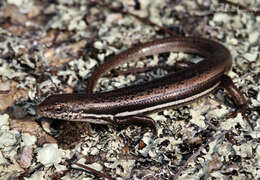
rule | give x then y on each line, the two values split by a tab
130	104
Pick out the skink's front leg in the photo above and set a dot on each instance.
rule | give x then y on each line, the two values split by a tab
139	121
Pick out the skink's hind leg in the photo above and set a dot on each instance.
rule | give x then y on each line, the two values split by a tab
238	98
139	121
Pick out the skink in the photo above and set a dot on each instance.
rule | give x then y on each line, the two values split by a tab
130	104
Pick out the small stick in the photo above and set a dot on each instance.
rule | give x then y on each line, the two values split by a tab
257	13
94	171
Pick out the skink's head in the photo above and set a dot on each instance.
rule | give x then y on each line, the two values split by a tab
71	107
63	106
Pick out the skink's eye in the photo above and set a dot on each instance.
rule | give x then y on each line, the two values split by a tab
58	109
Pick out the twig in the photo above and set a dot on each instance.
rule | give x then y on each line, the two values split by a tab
212	125
94	171
4	92
197	153
257	13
